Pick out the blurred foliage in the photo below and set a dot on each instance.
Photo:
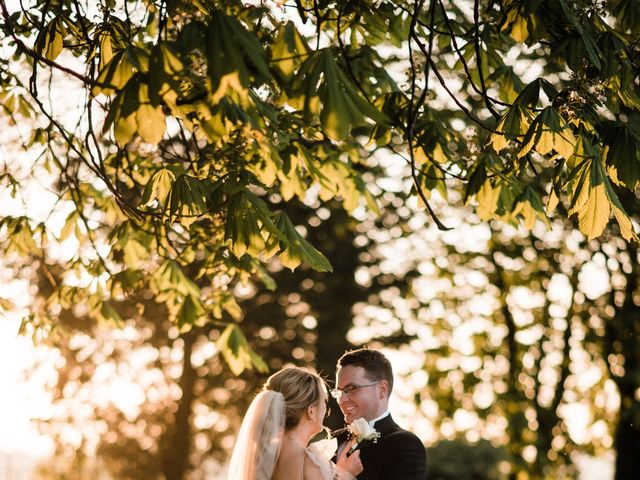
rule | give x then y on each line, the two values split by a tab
525	339
149	401
193	125
459	460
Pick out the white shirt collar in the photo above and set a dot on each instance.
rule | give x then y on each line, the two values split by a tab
373	422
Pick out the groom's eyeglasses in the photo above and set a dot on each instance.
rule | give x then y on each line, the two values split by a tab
338	393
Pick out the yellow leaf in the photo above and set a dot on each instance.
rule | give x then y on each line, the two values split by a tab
125	129
215	127
371	202
151	123
626	227
158	187
238	249
499	142
487	199
529	215
289	261
288	50
594	216
519	30
106	50
266	171
565	143
545	141
438	154
134	253
552	203
420	156
230	83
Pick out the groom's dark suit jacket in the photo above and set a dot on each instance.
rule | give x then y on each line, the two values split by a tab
397	455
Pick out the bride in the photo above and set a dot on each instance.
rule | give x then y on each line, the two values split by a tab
273	443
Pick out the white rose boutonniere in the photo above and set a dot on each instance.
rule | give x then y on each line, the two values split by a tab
361	430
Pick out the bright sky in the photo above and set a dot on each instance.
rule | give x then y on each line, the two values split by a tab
20	400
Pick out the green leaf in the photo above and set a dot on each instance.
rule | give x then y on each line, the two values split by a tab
321	81
187	199
513	124
235	57
629	98
288	50
158	188
296	249
49	41
628	14
621	154
237	352
626	227
109	313
166	72
122	66
549	132
248	224
529	205
476	181
169	276
191	313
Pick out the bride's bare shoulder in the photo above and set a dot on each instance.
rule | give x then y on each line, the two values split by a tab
290	464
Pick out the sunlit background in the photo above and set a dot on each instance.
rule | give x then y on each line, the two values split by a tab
447	308
447	388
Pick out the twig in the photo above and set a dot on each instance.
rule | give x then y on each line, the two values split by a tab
414	108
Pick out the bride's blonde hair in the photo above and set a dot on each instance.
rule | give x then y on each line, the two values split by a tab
300	387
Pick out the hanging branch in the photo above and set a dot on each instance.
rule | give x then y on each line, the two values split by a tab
465	65
347	61
414	107
476	42
39	58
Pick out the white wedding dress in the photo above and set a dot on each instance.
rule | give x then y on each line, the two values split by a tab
259	441
327	468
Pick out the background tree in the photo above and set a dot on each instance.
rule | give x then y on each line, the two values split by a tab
481	461
200	129
149	401
509	333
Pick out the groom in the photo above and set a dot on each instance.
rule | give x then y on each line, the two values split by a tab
363	385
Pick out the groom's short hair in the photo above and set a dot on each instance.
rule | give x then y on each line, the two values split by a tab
374	363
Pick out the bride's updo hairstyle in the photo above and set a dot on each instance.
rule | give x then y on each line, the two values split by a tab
300	387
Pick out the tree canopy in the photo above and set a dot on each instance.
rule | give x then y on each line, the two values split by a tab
197	123
175	140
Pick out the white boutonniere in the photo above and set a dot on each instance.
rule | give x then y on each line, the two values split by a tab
361	430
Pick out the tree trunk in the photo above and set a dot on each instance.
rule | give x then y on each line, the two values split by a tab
627	440
623	339
175	459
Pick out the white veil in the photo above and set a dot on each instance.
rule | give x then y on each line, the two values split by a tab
258	445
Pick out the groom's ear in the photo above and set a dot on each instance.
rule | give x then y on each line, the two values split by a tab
384	388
